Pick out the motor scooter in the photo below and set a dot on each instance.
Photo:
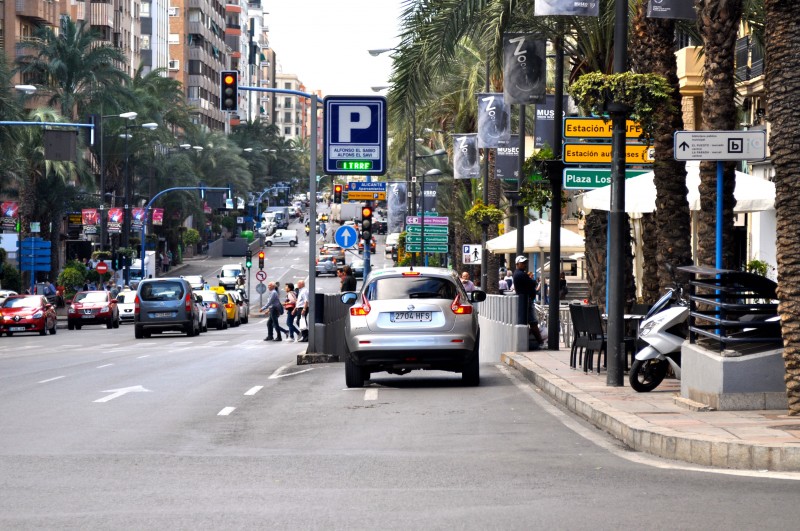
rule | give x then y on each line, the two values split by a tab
663	329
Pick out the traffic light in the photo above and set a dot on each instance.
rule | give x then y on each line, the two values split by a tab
337	193
115	262
261	259
229	90
366	225
249	259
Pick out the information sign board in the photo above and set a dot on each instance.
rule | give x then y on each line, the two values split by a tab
580	153
354	135
720	145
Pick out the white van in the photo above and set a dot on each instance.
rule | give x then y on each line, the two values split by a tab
391	242
282	236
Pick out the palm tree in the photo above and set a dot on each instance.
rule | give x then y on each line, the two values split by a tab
782	66
718	21
72	69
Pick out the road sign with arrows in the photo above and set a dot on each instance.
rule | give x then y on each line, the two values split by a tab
721	145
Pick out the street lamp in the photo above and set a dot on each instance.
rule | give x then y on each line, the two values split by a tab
130	115
27	89
126	220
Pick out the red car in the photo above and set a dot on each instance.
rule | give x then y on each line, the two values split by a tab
27	313
92	307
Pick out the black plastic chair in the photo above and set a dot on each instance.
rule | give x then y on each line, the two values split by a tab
596	341
579	335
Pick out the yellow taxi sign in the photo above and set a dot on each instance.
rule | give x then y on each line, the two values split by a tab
576	153
597	128
218	289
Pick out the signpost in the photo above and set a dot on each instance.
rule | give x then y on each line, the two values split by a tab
720	145
585	178
346	236
597	128
580	153
34	255
101	268
355	135
429	247
434	233
472	253
261	276
366	191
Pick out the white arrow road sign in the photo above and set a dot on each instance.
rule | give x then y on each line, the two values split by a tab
116	393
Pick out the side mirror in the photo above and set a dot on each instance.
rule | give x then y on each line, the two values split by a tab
349	297
477	296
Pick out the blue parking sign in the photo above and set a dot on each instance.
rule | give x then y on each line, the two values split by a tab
354	135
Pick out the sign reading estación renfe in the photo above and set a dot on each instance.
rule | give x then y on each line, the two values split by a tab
355	135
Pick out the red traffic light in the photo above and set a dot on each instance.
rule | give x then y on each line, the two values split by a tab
366	212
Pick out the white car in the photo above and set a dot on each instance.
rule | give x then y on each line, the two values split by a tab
126	305
5	293
288	236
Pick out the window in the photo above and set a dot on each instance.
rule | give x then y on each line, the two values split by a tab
174	64
145	9
173	11
287	117
287	85
174	38
287	103
145	42
411	288
287	131
193	93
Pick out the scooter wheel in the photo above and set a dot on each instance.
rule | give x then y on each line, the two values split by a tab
646	375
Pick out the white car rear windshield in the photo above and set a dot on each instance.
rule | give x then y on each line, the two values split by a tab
411	288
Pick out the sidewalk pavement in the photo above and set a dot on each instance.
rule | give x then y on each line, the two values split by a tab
661	423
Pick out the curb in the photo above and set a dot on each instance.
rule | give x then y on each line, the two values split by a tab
310	358
644	437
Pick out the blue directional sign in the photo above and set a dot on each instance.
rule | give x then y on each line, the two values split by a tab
34	254
346	236
355	135
372	186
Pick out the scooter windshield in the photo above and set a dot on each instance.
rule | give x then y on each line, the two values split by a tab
660	303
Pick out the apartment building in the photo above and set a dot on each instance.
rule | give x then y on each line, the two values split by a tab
290	110
197	55
20	19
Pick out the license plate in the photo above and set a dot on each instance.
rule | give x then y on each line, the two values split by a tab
410	317
163	314
17	329
88	316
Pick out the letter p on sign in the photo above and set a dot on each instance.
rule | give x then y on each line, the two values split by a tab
352	117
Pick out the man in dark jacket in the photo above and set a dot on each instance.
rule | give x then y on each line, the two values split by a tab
348	279
525	288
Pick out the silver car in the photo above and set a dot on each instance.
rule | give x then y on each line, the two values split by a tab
164	304
411	318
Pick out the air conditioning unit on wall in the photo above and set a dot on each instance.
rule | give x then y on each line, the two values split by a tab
174	64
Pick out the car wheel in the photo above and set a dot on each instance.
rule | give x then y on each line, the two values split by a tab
353	374
137	332
205	327
70	326
54	329
117	322
246	320
110	323
9	334
78	327
221	325
269	244
292	243
189	329
316	273
471	374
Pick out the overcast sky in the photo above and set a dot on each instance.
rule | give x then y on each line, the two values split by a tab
325	42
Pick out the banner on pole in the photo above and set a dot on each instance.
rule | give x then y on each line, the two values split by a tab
89	218
524	68
115	216
10	213
675	9
137	219
494	120
396	206
506	165
579	8
158	216
465	157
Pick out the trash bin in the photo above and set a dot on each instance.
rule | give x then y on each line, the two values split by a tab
247	234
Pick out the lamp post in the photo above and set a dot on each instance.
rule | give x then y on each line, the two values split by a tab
126	220
130	115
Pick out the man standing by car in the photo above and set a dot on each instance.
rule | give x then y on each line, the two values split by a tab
525	288
348	279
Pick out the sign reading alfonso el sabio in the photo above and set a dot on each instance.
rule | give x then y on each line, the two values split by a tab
355	135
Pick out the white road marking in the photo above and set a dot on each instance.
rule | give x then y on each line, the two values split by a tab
279	372
116	393
616	449
106	365
254	390
145	356
216	343
371	394
52	379
224	412
274	376
105	345
179	343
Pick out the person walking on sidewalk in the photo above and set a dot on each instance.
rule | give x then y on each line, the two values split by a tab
525	288
301	310
273	307
289	305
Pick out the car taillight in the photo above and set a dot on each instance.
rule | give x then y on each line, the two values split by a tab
229	305
410	273
188	304
363	309
460	309
136	305
212	305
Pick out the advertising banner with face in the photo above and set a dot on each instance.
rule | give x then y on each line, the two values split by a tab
115	217
494	120
578	8
465	157
524	68
9	211
89	216
158	216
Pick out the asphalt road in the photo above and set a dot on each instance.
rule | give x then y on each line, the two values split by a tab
221	431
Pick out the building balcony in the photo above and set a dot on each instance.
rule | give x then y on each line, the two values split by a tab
45	12
690	71
101	14
233	31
